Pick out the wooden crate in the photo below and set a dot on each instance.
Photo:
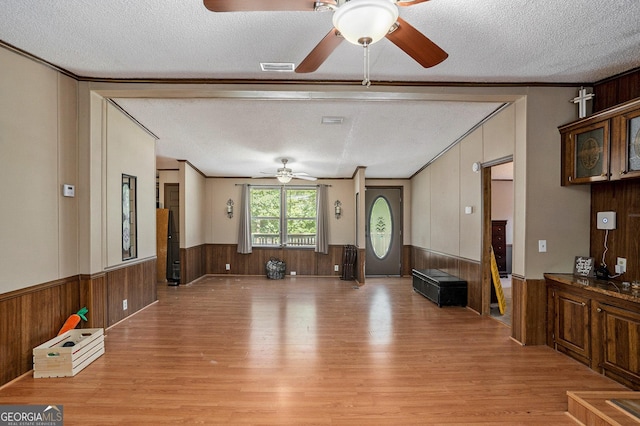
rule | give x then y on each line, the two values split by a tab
52	359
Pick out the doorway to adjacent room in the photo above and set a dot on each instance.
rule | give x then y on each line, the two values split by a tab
498	203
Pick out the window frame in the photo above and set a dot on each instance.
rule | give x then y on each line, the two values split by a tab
284	218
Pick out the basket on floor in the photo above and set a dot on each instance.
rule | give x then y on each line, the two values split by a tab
275	269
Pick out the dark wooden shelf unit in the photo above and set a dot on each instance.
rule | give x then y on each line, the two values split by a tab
499	243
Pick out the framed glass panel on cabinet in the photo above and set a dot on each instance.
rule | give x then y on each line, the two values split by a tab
630	166
590	153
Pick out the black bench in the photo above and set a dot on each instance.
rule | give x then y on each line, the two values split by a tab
440	287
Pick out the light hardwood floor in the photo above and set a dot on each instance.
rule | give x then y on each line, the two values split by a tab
247	350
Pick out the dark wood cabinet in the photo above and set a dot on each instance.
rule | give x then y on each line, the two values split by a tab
625	152
499	244
602	147
617	348
571	324
597	324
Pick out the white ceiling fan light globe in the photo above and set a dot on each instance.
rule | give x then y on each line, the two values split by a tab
284	178
358	19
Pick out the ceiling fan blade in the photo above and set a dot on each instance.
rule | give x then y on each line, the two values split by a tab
417	45
409	2
321	52
259	5
304	177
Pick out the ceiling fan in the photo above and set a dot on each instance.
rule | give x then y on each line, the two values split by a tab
285	174
360	22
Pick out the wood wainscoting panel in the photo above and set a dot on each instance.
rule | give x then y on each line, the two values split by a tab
303	261
162	244
326	262
361	265
470	271
93	295
255	263
11	362
518	308
43	314
529	317
216	256
117	291
30	317
406	261
192	262
136	283
149	283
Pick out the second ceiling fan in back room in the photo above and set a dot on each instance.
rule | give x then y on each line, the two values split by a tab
284	174
361	22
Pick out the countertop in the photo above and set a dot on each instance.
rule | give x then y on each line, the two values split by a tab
612	288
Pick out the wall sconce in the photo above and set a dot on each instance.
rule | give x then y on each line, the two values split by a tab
338	209
230	208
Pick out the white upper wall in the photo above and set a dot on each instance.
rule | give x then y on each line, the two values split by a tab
193	206
442	191
542	209
129	150
38	144
222	230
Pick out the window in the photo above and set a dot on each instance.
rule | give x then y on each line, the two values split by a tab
283	216
129	219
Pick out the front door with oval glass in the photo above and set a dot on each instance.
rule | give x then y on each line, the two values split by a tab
383	226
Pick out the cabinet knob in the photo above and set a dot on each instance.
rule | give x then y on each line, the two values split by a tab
570	178
599	310
623	172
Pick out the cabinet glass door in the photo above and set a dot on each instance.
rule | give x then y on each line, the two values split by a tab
590	153
631	158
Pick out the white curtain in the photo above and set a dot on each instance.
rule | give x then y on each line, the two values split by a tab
244	230
322	240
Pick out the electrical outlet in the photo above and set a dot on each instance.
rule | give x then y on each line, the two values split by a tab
293	272
542	246
621	265
124	305
336	268
227	267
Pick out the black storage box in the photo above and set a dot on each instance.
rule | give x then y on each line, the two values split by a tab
440	287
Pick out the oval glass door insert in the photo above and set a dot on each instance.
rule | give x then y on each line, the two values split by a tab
380	227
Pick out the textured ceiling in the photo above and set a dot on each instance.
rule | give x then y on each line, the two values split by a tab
373	134
491	41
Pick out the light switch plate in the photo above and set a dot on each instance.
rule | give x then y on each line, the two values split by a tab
542	246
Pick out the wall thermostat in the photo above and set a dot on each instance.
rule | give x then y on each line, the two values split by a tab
68	190
606	220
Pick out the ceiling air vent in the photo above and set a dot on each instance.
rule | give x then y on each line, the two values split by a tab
277	66
332	120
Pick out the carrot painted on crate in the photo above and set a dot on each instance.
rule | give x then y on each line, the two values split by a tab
73	320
